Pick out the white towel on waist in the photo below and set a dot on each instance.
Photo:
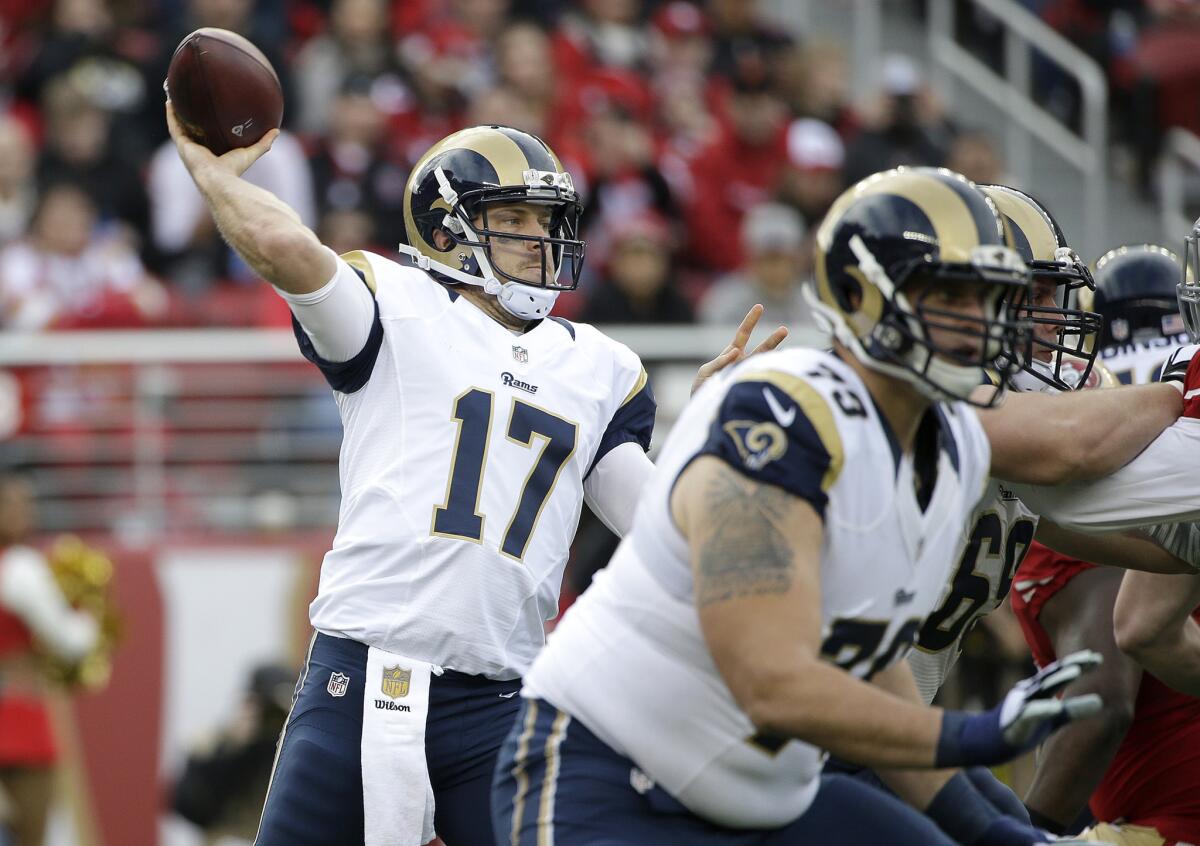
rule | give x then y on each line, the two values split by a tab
397	796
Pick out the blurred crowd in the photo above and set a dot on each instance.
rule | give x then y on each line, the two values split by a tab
707	138
1150	53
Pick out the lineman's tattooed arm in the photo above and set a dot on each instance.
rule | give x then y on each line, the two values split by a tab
742	549
756	564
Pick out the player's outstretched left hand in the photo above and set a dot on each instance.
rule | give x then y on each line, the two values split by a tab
736	350
1026	717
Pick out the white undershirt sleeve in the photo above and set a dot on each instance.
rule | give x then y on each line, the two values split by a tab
28	590
1160	485
613	488
336	317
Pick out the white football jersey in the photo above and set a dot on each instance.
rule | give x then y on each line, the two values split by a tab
996	540
1139	362
462	467
629	659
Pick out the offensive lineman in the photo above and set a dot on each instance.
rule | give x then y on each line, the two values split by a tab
475	427
802	523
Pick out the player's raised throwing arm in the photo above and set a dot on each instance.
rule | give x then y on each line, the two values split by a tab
263	230
756	564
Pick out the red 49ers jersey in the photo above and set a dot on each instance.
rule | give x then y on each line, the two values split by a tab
1154	779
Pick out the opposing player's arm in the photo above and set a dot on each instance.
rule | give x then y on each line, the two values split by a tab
1153	625
1073	761
1048	439
756	563
263	230
1130	550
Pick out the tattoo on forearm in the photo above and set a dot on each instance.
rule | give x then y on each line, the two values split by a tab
743	552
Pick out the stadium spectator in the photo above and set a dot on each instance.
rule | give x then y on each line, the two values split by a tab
523	60
815	81
72	273
638	284
80	148
974	155
85	43
355	44
18	190
502	105
343	230
777	264
622	175
738	170
602	33
812	179
224	780
740	31
680	42
352	168
194	256
907	129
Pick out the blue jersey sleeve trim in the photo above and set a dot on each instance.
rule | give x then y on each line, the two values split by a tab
345	376
776	429
633	423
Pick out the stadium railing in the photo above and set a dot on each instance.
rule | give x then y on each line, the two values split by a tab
1178	168
1024	33
198	432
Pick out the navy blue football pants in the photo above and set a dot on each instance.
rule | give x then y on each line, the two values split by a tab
315	797
557	784
995	791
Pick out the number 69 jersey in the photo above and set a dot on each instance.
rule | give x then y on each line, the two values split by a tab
629	659
462	466
996	540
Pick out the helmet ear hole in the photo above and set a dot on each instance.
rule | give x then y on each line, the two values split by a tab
440	240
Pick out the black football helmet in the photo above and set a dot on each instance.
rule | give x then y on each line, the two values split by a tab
1041	242
1137	293
896	229
452	188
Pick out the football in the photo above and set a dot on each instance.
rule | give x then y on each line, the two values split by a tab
225	92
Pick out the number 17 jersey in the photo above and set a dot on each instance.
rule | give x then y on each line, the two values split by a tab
464	454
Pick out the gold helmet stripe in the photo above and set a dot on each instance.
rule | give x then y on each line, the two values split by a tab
953	223
952	220
1032	222
498	149
815	408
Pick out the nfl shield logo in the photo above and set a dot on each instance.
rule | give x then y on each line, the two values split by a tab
520	355
395	681
338	682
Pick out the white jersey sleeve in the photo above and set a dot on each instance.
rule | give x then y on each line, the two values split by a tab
1160	485
338	316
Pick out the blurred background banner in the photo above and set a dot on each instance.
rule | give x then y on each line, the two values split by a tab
151	393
